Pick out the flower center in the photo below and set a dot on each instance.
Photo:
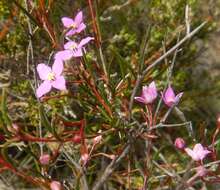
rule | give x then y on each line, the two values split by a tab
74	46
74	26
51	76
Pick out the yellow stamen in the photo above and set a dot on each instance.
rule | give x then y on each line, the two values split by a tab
74	26
51	76
74	46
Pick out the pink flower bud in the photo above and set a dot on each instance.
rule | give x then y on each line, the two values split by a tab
77	138
15	127
201	171
169	97
149	94
180	143
55	185
84	158
97	139
218	121
44	159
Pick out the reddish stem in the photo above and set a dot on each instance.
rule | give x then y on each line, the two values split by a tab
95	26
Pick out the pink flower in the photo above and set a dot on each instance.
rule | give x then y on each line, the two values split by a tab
149	94
75	25
179	143
44	159
72	49
55	185
169	97
51	77
198	152
201	171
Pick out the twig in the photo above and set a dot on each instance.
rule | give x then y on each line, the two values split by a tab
117	7
187	20
78	167
161	125
97	37
110	168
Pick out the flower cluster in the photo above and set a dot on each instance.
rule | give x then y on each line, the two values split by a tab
52	76
149	94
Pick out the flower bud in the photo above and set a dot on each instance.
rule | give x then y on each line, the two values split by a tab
169	97
15	127
55	185
84	158
180	143
149	94
218	122
77	138
44	159
97	139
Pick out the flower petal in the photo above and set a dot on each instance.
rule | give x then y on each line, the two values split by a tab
78	18
71	32
43	71
69	45
85	41
152	89
59	83
192	154
67	22
152	85
178	96
198	147
77	53
64	55
144	90
81	27
169	94
140	99
44	88
57	67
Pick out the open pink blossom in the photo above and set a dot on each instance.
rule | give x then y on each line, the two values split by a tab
51	77
75	25
169	97
73	49
149	94
198	152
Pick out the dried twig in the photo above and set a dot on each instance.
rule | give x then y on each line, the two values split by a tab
110	168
